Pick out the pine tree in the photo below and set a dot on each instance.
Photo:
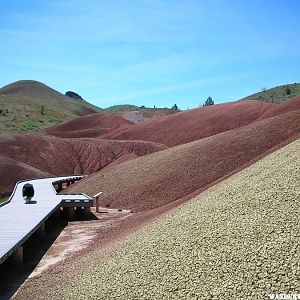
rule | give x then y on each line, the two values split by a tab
175	107
209	101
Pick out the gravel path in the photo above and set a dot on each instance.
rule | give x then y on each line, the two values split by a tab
238	240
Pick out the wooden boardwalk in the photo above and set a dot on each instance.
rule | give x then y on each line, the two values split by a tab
18	221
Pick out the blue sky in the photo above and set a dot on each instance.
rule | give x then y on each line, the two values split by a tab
151	52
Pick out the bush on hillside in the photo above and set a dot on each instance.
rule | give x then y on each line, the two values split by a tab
209	101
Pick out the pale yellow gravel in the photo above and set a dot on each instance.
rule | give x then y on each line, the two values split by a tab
239	240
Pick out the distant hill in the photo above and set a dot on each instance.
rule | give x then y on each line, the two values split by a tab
139	114
163	177
31	106
92	125
121	108
277	94
195	124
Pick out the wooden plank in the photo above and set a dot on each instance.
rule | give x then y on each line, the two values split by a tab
18	221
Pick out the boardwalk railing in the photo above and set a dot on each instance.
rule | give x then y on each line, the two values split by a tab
18	221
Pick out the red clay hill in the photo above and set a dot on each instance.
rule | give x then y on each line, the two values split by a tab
195	124
180	172
277	109
92	125
208	144
12	171
27	155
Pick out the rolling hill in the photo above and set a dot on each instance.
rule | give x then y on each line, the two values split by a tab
25	156
187	126
195	124
173	174
136	114
212	245
277	94
92	125
32	106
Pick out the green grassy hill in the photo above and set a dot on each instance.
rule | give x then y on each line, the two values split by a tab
121	108
277	94
137	112
31	106
129	107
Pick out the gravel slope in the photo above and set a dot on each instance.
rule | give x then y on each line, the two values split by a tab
238	240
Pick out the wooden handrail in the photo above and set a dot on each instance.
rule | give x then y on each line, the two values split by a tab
97	195
97	200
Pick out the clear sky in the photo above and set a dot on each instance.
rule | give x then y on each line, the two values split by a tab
151	52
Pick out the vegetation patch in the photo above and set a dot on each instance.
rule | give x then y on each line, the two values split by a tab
27	106
277	94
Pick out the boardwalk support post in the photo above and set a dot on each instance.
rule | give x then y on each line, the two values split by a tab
87	211
56	215
41	230
17	256
71	213
97	201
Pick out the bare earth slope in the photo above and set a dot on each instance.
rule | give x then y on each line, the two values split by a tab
239	240
144	115
286	106
199	123
195	124
94	154
48	154
41	155
88	126
12	171
161	178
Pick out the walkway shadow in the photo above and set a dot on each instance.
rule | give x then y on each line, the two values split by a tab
79	215
31	202
11	276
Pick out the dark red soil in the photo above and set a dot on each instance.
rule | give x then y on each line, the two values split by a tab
223	153
92	125
195	124
46	153
286	106
94	154
156	183
12	171
37	156
161	178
